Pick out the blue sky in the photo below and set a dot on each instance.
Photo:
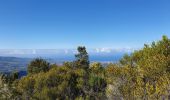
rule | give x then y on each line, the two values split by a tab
57	24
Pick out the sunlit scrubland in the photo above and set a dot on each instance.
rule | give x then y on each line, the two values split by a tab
143	75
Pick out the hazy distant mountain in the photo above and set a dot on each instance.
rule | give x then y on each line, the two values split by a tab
8	64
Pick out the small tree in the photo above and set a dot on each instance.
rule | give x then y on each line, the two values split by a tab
38	65
82	58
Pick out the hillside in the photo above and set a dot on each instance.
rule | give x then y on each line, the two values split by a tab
9	64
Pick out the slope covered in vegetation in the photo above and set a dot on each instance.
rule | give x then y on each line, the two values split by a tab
143	75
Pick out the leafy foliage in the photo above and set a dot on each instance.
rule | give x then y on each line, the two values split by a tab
38	65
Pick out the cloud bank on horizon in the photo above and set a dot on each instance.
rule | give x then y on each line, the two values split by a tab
54	52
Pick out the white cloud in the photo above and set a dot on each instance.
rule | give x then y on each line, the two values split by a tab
111	50
33	51
97	50
103	50
16	51
66	51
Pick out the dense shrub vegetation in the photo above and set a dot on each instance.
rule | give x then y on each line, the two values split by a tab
142	75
